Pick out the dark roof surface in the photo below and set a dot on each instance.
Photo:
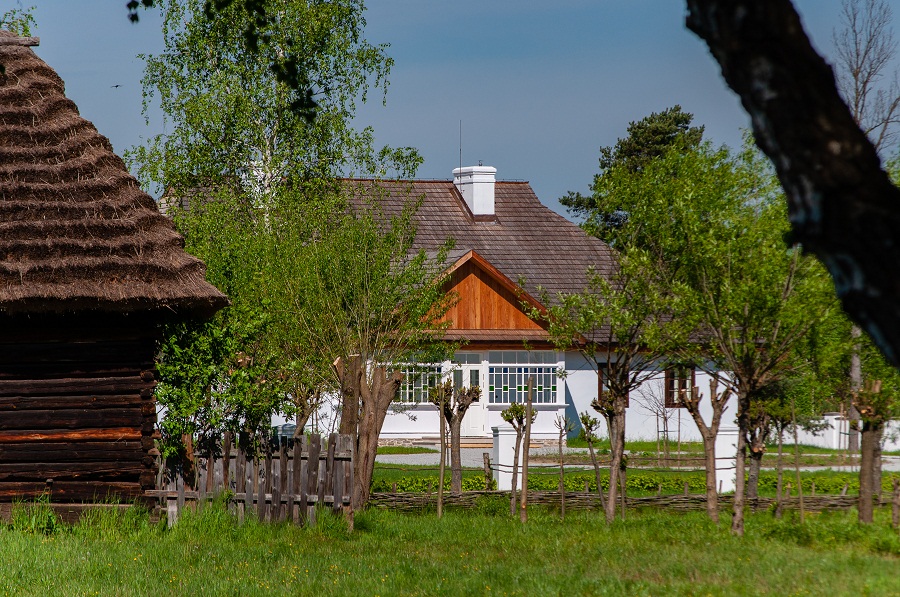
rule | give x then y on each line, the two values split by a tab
527	239
76	231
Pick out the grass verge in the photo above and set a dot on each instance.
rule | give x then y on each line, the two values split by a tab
650	553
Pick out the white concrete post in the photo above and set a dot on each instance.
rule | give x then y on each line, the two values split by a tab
504	453
726	458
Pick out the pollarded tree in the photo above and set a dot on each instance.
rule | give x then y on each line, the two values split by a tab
708	432
348	289
877	402
624	325
516	414
715	223
453	403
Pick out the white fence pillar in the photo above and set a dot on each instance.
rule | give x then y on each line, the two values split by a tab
504	453
726	458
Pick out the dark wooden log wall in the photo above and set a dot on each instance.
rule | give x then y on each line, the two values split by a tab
77	412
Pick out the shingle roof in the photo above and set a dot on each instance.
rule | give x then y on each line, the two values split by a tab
527	239
76	231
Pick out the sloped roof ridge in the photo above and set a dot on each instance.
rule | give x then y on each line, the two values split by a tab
77	231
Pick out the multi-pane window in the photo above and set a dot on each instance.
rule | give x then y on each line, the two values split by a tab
417	380
510	371
678	379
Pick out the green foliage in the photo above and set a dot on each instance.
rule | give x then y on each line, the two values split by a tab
515	415
649	138
20	21
346	282
229	115
422	483
35	517
405	450
215	377
311	275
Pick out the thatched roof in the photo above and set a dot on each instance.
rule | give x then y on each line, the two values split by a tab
76	231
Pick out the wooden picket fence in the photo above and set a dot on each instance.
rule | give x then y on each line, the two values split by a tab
287	483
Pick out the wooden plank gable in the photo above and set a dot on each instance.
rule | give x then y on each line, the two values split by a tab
487	300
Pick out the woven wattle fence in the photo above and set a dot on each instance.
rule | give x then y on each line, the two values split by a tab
578	500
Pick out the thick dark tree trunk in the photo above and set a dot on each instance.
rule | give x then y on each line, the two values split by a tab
841	203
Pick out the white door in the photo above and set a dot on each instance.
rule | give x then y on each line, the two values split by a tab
469	375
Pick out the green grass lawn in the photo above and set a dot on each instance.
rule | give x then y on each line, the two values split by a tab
641	482
473	553
405	450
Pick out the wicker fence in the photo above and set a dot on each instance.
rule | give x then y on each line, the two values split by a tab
579	500
287	483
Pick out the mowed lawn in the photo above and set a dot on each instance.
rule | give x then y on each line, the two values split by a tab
465	553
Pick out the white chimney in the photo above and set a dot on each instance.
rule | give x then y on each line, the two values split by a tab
476	185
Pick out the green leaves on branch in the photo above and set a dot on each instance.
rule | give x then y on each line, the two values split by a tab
228	115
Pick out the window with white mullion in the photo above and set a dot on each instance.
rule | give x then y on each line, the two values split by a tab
508	378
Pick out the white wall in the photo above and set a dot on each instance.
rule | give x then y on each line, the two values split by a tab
641	420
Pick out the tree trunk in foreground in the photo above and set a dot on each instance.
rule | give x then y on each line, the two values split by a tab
841	203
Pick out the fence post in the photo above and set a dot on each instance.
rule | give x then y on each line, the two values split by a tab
304	480
248	489
328	484
240	480
275	515
295	482
315	446
488	476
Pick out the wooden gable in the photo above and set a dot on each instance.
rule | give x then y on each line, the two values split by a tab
487	300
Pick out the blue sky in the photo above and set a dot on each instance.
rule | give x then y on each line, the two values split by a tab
539	86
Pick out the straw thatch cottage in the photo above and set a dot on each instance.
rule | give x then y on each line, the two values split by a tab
88	271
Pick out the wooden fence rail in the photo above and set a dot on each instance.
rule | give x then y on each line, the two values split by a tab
284	484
